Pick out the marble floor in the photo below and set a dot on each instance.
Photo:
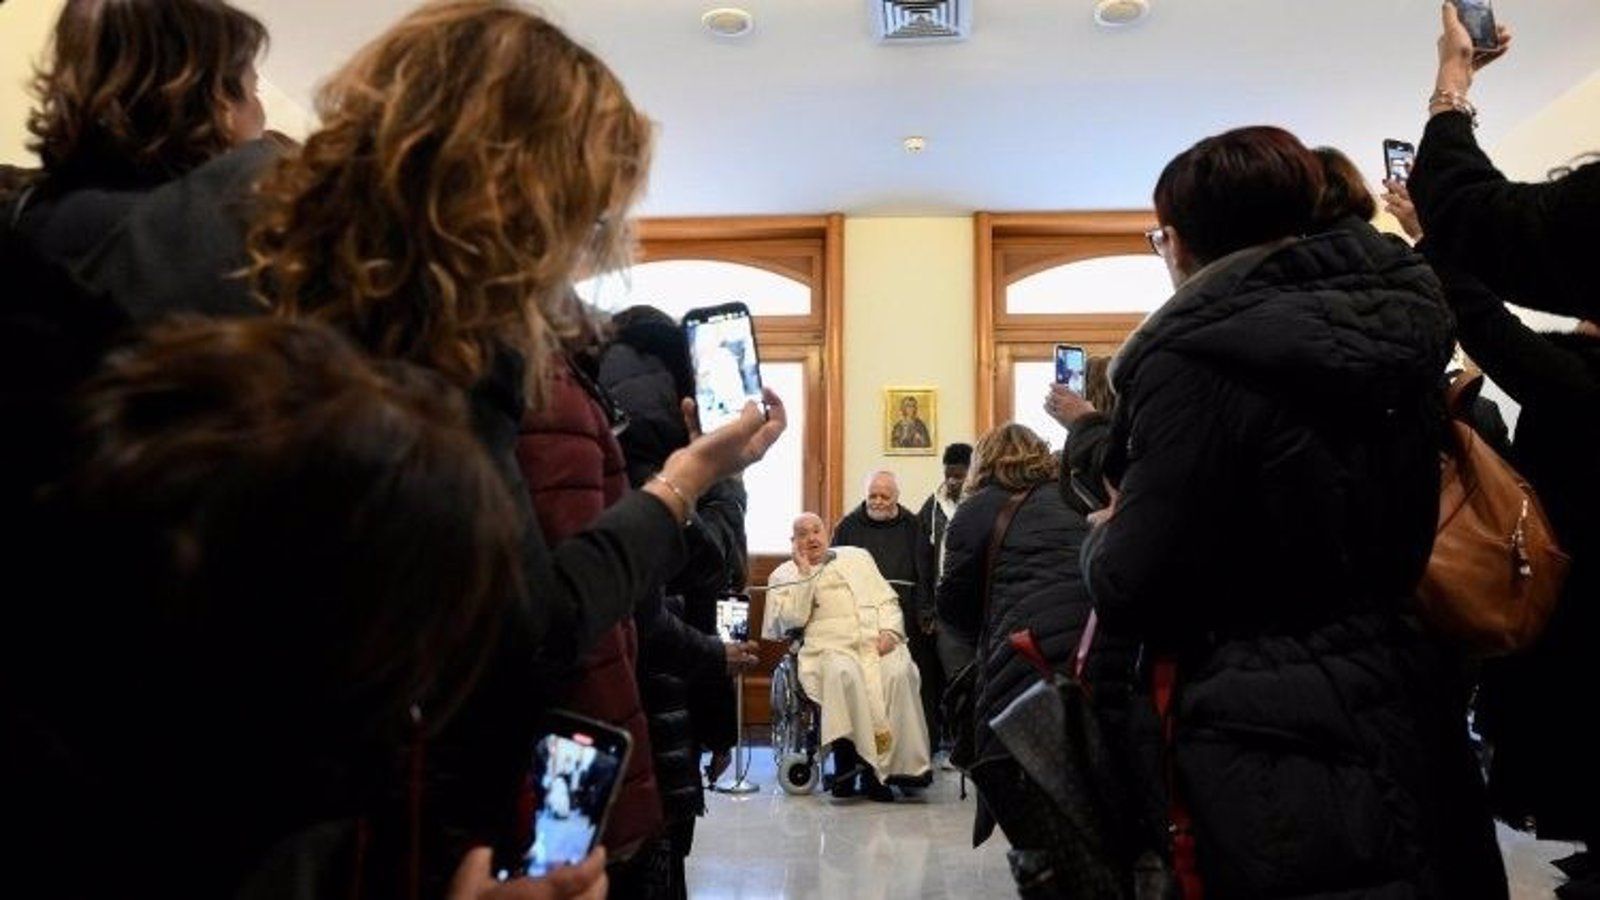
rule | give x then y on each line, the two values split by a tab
769	845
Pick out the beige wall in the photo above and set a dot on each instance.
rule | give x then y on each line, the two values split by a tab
908	320
24	31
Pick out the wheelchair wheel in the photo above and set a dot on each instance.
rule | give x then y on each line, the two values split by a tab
798	773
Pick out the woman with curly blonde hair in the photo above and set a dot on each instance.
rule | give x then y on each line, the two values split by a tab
474	161
1034	583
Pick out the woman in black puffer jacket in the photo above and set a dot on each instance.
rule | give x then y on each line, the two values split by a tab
683	669
1035	585
1276	448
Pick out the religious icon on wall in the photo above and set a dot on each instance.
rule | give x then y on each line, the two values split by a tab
910	421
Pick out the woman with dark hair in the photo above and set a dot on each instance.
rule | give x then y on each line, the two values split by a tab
473	161
1344	191
1275	450
244	488
1034	583
135	94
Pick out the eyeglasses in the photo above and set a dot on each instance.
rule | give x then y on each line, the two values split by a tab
1158	240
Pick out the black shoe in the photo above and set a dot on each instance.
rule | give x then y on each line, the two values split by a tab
875	790
1578	865
1587	889
843	789
911	781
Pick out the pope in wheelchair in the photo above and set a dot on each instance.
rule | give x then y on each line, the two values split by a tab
852	662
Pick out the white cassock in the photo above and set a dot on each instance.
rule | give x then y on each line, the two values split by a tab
874	701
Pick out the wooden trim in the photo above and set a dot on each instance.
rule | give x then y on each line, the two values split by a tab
1088	328
744	228
983	325
833	364
1070	223
809	249
1011	246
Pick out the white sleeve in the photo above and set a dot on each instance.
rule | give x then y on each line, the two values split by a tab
787	607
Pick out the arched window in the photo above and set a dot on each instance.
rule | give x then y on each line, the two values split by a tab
777	484
1084	279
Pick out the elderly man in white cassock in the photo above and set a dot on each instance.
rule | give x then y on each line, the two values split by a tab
854	662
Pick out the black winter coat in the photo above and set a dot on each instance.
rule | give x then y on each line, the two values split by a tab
1276	442
1036	585
157	249
1083	463
1531	707
896	546
682	667
1529	243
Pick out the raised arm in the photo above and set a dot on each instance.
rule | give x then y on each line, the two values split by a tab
1527	242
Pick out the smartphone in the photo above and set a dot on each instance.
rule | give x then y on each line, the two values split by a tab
578	765
1398	158
733	619
1478	16
1072	364
727	369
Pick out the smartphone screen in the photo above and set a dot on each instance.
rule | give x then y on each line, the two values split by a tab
727	370
578	765
1478	16
733	620
1398	158
1072	364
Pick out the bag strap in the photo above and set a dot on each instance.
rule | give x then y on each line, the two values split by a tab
997	536
1185	854
1027	646
1460	394
1080	657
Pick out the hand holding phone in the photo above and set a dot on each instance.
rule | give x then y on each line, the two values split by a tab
727	367
1478	17
1072	366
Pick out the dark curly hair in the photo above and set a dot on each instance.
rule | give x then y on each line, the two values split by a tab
137	90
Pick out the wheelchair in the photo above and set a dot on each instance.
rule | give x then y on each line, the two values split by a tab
796	723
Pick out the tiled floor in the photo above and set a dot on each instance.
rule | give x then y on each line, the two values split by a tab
770	845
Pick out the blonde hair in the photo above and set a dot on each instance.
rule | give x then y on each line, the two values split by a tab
1011	456
473	159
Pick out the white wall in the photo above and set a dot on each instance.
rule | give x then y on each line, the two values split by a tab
908	320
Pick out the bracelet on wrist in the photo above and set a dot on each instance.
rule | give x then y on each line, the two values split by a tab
1447	100
688	508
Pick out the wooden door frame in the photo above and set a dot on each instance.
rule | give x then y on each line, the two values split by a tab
1012	246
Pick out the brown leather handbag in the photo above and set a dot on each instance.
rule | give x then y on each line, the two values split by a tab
1496	571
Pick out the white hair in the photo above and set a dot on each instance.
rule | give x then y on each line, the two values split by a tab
866	486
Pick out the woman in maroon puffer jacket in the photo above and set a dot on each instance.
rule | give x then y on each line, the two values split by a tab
574	470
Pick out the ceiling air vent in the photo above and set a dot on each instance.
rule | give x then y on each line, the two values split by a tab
914	21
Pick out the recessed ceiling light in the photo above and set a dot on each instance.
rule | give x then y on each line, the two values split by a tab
1117	13
728	21
915	144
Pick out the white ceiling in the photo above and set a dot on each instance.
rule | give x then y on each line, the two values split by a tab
1041	109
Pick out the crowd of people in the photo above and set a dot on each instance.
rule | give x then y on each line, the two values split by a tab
324	488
